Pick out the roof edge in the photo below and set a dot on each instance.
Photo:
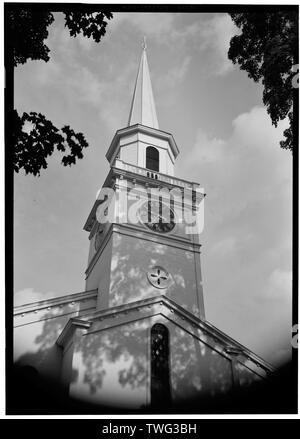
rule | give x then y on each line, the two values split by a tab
28	307
143	129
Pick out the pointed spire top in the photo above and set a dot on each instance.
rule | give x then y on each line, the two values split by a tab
144	44
142	109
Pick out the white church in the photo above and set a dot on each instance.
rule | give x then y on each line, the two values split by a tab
137	337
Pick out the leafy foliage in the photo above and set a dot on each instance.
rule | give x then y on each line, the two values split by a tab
266	49
90	24
26	32
35	138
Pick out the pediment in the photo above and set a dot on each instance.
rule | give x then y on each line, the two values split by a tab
201	330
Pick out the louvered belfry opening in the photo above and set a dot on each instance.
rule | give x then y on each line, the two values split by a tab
160	370
152	158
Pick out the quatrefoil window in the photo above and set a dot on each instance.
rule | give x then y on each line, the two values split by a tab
158	277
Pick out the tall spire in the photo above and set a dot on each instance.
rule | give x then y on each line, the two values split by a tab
142	109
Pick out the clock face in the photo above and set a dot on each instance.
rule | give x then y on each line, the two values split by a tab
157	216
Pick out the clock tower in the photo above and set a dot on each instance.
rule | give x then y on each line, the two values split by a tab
146	245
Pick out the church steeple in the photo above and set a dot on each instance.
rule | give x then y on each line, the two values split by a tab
142	109
142	141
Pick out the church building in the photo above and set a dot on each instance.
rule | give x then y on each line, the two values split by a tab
137	337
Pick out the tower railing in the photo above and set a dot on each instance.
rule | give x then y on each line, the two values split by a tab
154	175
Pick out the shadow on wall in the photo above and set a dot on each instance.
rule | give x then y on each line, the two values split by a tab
40	338
114	365
134	256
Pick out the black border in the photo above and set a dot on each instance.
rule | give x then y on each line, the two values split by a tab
9	181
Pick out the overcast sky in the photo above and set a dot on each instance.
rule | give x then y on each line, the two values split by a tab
226	142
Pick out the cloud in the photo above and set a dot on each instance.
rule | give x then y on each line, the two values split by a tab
154	25
280	279
280	285
86	43
86	85
247	177
117	98
64	71
208	38
47	73
247	231
208	150
28	295
173	76
83	69
217	34
88	74
205	33
225	246
252	147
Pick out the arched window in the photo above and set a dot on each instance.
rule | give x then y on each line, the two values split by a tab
152	158
160	379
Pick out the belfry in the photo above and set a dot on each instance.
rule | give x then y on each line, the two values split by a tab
137	337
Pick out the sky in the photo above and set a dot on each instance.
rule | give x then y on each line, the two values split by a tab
227	144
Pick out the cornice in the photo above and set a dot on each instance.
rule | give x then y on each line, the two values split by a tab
145	234
54	302
166	239
118	172
145	130
162	180
73	324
